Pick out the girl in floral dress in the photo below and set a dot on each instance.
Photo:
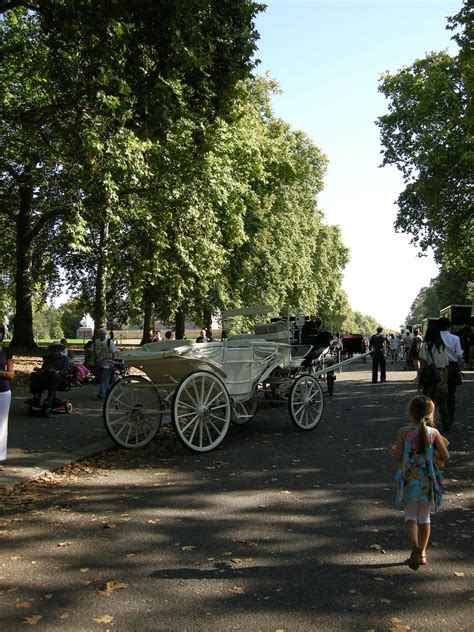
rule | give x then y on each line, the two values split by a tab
418	477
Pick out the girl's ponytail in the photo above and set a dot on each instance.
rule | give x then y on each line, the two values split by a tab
424	437
420	409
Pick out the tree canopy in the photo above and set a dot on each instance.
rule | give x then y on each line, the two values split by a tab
427	134
143	166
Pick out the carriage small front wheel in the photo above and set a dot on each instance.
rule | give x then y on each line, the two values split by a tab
133	412
306	402
244	411
201	411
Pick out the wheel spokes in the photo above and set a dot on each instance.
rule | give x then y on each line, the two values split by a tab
201	411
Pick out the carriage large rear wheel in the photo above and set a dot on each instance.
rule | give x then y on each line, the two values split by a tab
201	411
306	402
133	412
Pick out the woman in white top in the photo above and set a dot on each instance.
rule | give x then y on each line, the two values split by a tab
433	351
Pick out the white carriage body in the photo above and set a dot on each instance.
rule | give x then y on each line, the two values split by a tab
241	362
205	386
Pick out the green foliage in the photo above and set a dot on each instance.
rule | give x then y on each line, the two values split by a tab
427	135
47	323
71	313
144	163
450	287
84	89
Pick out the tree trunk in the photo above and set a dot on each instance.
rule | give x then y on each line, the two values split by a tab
148	319
207	318
100	303
23	321
179	321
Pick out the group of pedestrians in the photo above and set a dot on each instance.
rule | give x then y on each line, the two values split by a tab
440	348
420	449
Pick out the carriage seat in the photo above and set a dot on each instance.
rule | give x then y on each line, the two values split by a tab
271	332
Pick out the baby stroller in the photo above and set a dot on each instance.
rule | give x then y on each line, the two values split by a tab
82	375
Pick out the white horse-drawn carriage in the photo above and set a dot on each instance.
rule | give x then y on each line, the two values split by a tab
204	387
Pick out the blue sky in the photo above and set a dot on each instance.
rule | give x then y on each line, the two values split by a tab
327	56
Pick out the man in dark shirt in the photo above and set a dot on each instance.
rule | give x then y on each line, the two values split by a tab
52	376
378	345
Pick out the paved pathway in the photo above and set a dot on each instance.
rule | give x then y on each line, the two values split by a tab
275	530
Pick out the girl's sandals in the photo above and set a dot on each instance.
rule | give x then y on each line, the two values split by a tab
415	558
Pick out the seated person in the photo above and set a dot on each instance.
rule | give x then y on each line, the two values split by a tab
73	370
203	336
53	375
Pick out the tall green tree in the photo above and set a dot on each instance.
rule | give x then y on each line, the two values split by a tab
71	313
450	287
140	66
286	255
427	134
35	182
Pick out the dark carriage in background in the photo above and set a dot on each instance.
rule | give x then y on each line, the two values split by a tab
312	334
352	343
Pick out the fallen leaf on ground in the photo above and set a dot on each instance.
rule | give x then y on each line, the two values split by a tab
110	587
236	560
23	604
188	547
237	590
377	547
64	544
104	618
83	570
459	573
33	620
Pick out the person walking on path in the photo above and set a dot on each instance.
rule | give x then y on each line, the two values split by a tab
453	346
418	477
433	351
378	346
7	373
406	347
414	352
104	349
394	344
